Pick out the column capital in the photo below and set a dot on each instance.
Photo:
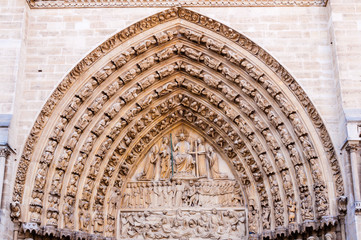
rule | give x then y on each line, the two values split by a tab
357	206
353	146
4	151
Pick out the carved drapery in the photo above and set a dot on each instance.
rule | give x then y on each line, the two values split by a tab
183	69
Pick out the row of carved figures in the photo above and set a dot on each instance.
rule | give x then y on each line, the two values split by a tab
213	224
281	100
221	193
197	163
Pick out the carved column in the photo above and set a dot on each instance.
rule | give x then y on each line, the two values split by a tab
352	148
4	153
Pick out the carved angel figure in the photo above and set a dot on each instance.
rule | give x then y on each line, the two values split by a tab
213	164
150	165
202	164
164	153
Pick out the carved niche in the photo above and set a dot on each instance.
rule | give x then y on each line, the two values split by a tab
182	189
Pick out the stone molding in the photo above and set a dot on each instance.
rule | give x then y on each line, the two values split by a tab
177	3
48	231
143	25
190	49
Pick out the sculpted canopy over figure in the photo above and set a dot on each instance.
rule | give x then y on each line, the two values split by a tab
183	159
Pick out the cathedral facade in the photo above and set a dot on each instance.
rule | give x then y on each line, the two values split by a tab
188	120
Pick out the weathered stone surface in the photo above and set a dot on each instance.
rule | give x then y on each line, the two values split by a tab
112	111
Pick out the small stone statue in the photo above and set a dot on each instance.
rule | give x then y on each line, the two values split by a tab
150	165
164	153
213	164
183	160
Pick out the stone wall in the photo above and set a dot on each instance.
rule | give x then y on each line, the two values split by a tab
346	22
320	47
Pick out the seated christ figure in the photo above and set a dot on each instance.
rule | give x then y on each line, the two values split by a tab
183	160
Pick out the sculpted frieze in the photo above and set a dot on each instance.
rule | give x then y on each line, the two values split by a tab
73	139
163	37
144	45
180	193
98	103
105	72
179	224
56	183
207	23
221	94
157	3
221	124
87	90
59	129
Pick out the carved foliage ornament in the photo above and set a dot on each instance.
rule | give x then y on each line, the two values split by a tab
162	3
134	29
212	96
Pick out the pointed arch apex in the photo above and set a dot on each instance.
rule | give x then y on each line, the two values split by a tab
96	123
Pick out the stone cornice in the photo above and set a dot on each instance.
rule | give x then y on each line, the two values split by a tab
178	3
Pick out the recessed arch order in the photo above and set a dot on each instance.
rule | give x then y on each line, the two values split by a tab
177	67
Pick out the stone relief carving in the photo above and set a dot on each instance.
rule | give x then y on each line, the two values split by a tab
15	210
158	3
183	159
180	224
184	190
308	149
179	193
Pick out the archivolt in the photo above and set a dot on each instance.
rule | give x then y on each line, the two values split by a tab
183	68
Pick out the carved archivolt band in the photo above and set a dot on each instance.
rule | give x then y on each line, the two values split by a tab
112	107
162	3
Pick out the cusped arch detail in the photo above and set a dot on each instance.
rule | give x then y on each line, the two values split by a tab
177	66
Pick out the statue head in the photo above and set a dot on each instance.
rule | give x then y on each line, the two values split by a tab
182	137
214	211
155	149
165	140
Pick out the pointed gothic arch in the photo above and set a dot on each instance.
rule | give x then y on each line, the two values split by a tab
177	67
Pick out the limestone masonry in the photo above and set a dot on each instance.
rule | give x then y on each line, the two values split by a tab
180	119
